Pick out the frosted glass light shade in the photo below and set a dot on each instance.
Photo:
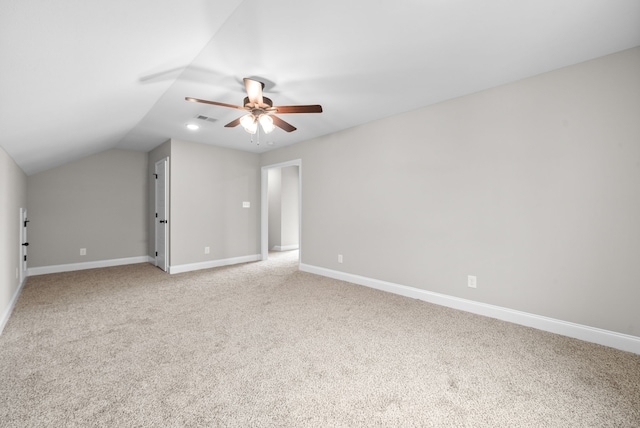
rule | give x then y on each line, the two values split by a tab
249	123
267	123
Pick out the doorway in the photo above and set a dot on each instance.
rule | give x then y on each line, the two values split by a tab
281	208
161	218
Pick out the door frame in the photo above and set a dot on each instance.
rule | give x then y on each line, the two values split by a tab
22	270
264	207
162	163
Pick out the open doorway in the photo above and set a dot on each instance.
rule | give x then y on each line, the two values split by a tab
281	210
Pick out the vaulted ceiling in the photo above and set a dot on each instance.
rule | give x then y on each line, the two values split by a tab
81	77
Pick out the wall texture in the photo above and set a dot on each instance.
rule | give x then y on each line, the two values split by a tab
283	194
290	192
13	196
274	181
534	187
99	203
208	186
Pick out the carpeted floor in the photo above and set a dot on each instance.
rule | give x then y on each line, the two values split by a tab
264	345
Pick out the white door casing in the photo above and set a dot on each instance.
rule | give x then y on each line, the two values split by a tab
162	214
23	245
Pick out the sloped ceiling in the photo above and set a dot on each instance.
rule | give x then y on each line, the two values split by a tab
80	77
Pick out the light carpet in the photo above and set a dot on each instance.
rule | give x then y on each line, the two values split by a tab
265	345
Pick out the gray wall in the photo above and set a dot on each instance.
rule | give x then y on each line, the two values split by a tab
274	181
105	203
98	203
534	187
289	211
13	196
283	194
208	186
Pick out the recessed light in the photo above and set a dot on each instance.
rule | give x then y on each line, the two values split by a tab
192	126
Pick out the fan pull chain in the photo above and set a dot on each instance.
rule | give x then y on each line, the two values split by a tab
257	138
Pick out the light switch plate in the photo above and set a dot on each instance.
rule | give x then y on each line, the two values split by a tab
246	204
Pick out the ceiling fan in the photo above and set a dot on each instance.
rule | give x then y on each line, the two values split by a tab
260	110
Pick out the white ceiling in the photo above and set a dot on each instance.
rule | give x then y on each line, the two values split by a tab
80	77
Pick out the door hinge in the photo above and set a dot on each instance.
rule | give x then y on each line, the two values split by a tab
25	258
25	223
156	175
156	254
156	215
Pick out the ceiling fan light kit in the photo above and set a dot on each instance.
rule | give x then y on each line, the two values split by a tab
260	110
249	123
266	123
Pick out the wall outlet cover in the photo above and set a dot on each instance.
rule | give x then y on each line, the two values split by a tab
472	281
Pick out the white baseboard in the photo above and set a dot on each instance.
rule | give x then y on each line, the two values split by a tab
214	263
613	339
7	313
285	247
43	270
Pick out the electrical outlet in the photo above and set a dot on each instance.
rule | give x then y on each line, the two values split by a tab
83	251
472	281
339	258
207	250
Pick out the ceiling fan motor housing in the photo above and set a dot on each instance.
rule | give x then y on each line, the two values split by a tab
265	100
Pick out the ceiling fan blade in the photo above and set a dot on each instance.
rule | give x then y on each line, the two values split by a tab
215	103
282	124
233	123
315	108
